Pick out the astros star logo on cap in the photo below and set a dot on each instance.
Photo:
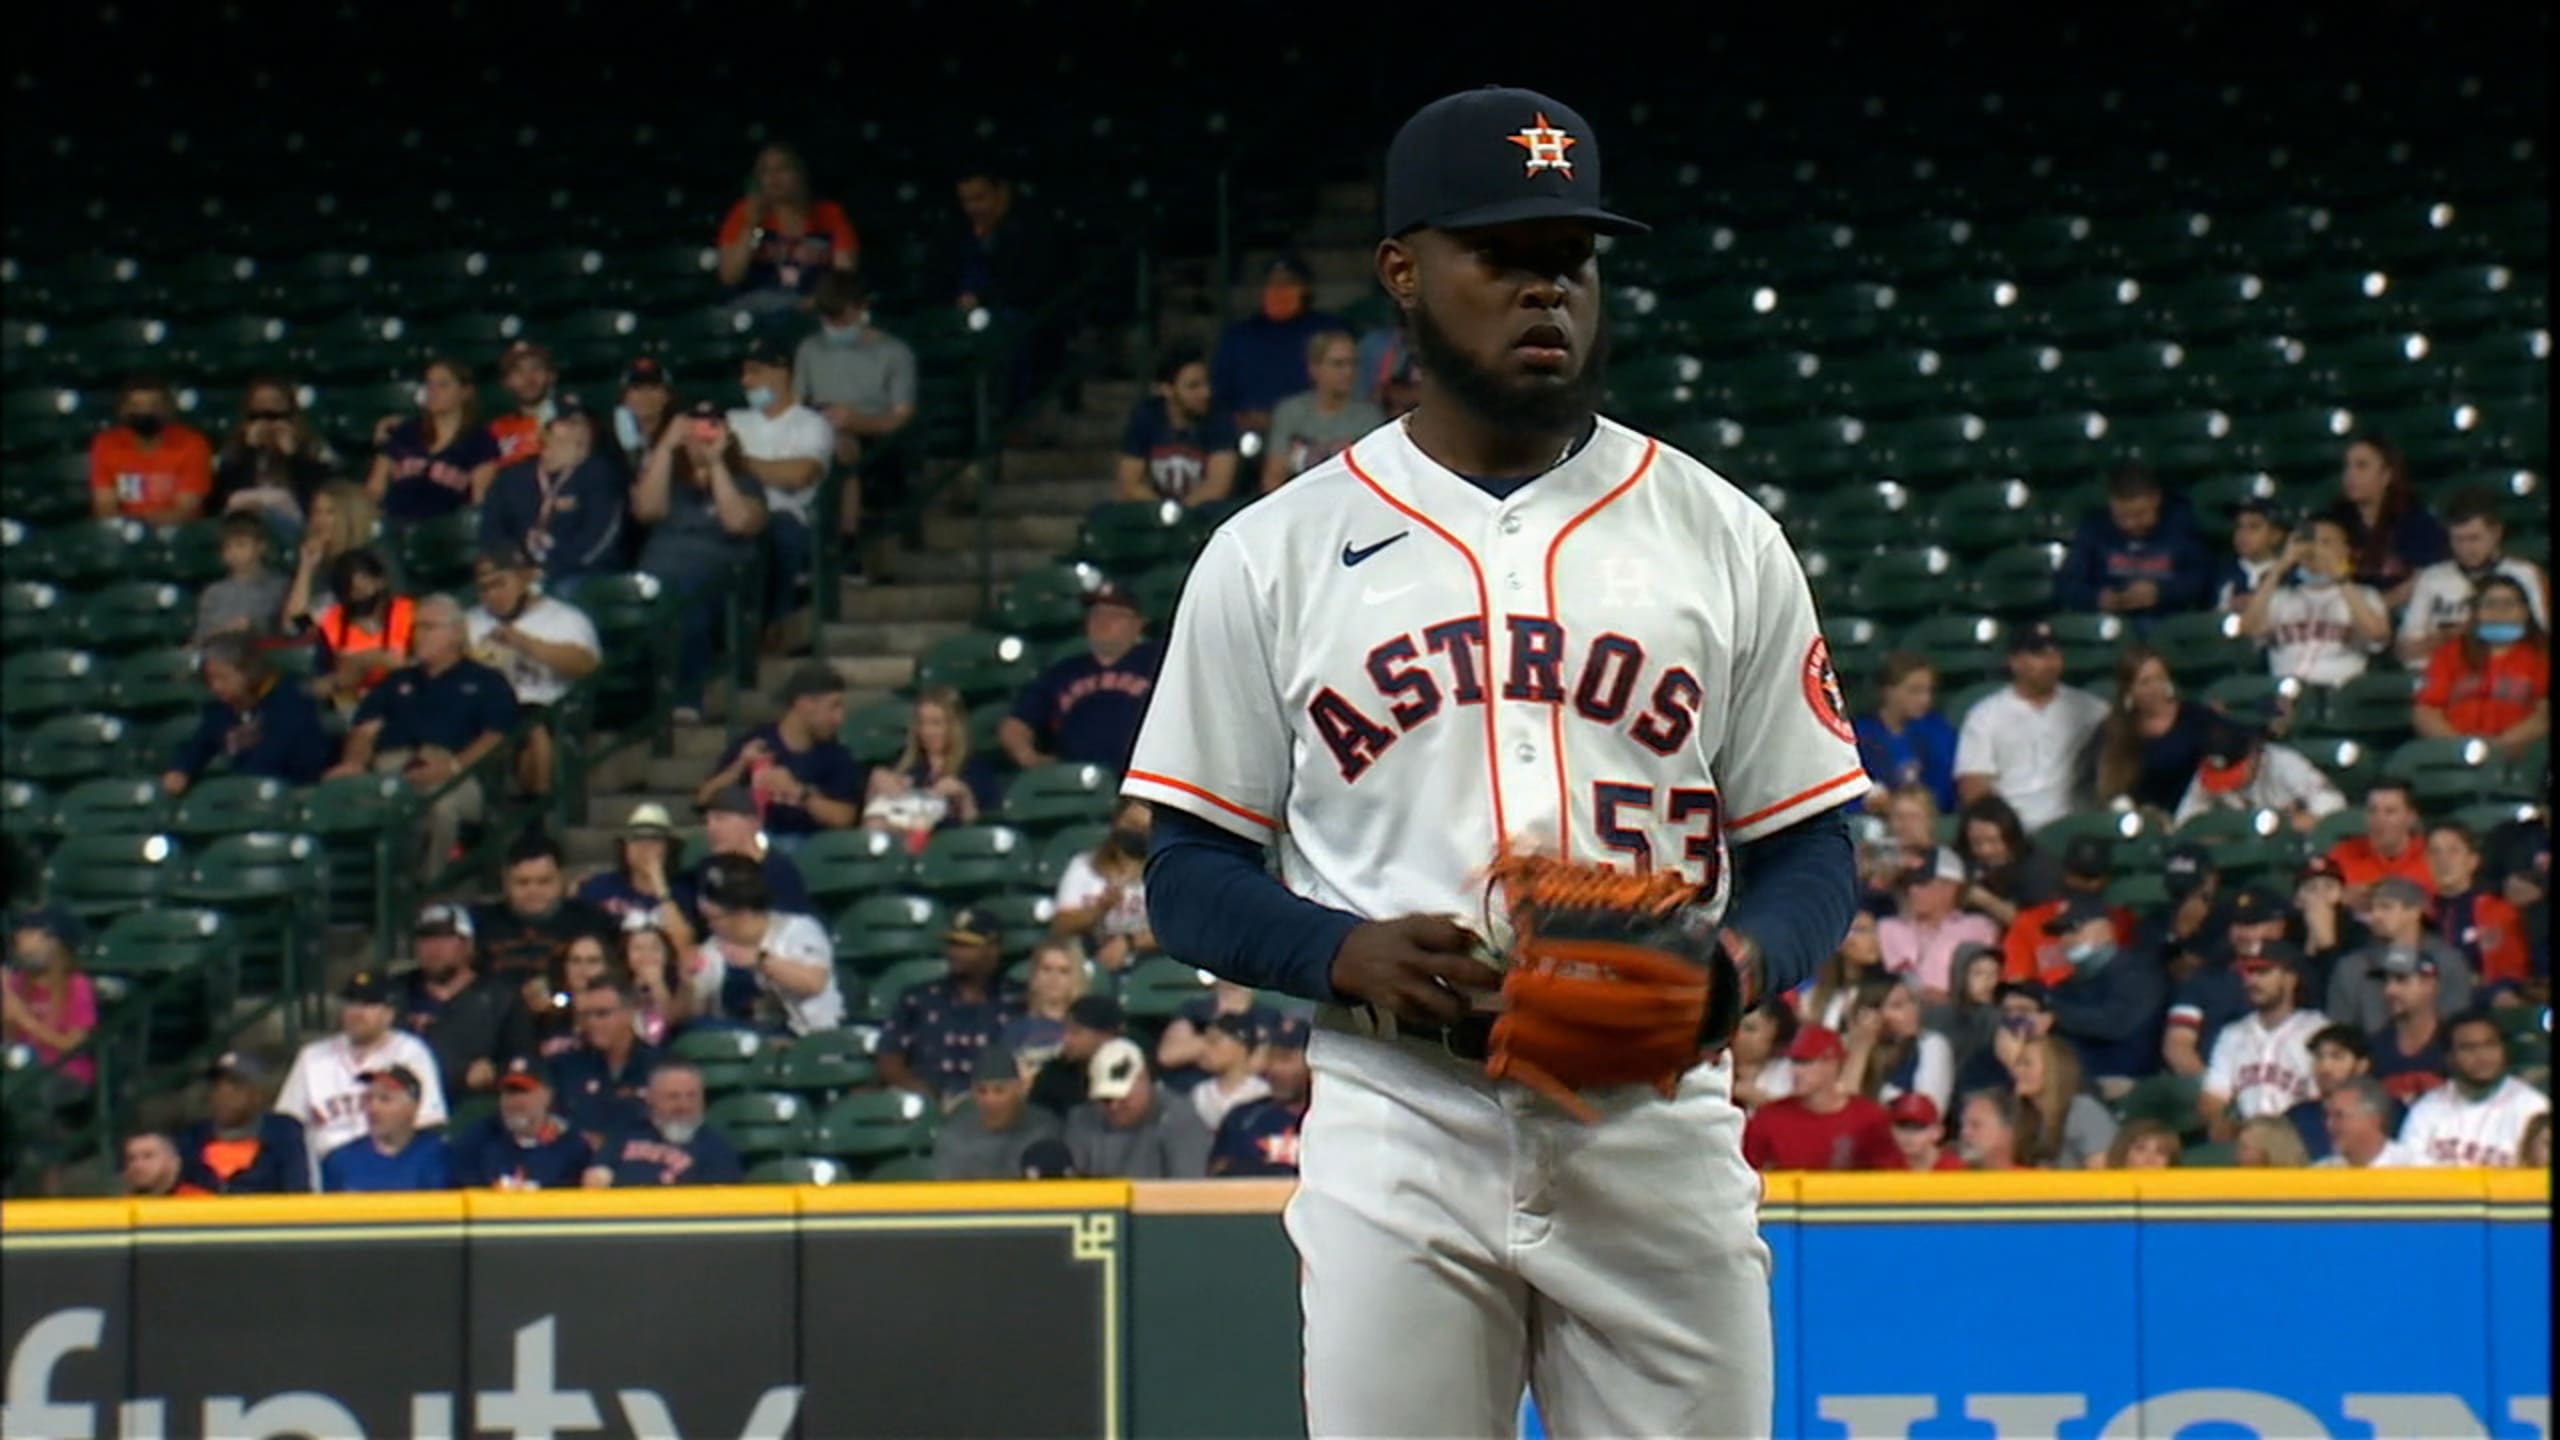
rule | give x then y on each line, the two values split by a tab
1546	146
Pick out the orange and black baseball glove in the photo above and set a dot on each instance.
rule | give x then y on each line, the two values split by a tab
1614	979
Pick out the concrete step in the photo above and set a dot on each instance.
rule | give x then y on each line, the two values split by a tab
761	707
1344	229
959	568
1068	498
1052	463
912	598
1342	197
590	847
1112	397
892	637
1015	528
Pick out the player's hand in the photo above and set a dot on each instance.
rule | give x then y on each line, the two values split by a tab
1420	968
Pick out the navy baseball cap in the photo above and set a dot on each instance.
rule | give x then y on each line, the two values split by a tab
55	921
1289	1034
1096	1012
971	926
731	800
2090	857
2079	910
1048	1160
1492	156
767	350
2183	869
2034	635
1111	592
2255	906
996	1066
366	987
644	371
1241	1027
238	1065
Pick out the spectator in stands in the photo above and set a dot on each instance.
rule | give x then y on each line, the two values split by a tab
984	1138
1910	839
2479	1117
666	983
935	783
1260	1138
1385	367
1058	978
1761	1070
704	509
2257	553
550	994
2194	888
367	631
1904	740
431	723
2519	865
2535	1152
2147	749
1102	894
561	504
2328	932
862	379
1005	258
1919	1130
2390	536
439	460
640	420
250	595
519	936
1176	445
252	723
1987	1130
1230	1065
1970	1016
543	646
1824	1124
2440	602
1060	1083
931	1044
1129	1129
2340	1055
2261	1062
1920	939
1836	983
2208	994
149	466
392	1154
2029	950
2023	1011
1085	709
1322	421
1185	1041
648	854
790	956
1890	1054
241	1147
2409	1048
2392	844
669	1144
2267	1143
325	1088
2110	1001
802	776
787	447
732	826
2130	560
2242	769
48	1005
521	1145
275	462
343	518
2144	1145
1262	358
2023	743
2061	1126
2495	681
2317	623
2475	920
2355	1129
474	1023
525	372
151	1168
2396	913
779	238
600	1080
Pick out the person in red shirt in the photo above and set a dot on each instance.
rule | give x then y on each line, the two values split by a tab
2027	952
779	238
2389	845
526	372
2495	682
147	466
1918	1129
1823	1125
2470	916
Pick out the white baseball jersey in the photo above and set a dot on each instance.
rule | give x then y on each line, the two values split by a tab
2440	598
323	1091
2284	778
803	941
2030	752
2263	1069
1393	675
554	622
798	433
2392	1156
2447	1129
2311	635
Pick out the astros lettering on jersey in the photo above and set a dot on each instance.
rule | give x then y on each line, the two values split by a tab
2449	1128
2264	1070
1621	658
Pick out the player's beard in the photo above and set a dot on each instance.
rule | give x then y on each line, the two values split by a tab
1533	406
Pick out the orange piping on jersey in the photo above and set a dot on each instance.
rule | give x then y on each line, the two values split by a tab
1555	717
1798	798
1187	788
1484	614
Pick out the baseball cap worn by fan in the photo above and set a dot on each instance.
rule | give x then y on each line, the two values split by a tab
238	1065
1494	156
400	1075
1914	1112
2405	960
442	919
55	921
2077	911
644	371
1815	1043
970	926
1048	1160
1115	1069
649	822
366	987
2255	906
2031	637
731	800
1290	1033
2184	868
1110	592
996	1065
766	350
1943	864
1095	1012
2229	744
2089	857
522	1074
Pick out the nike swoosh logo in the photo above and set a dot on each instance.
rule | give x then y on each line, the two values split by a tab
1370	595
1351	556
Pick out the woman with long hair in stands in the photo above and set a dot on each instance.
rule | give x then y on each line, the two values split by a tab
2269	1143
2008	873
1910	838
274	462
671	990
2393	534
1761	1070
1970	1015
2144	1144
1837	982
342	517
439	459
2061	1126
935	782
1102	896
1891	1053
2494	682
2152	740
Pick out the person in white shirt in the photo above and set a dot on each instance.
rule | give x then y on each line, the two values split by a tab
2358	1116
2317	624
2261	1062
543	646
788	447
790	955
325	1088
2024	743
1231	1055
2440	599
2479	1116
2243	770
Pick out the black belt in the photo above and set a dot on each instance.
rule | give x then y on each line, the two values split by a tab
1469	1039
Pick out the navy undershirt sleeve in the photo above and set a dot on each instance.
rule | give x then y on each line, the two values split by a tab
1795	892
1212	904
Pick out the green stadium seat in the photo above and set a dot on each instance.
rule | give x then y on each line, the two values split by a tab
2091	308
114	805
874	1124
1843	315
2090	645
727	1057
187	945
2501	363
2159	242
2209	307
1021	921
1064	845
1158	988
2180	440
1962	313
2346	301
325	282
2251	372
1936	447
256	866
2043	244
630	612
84	554
2123	829
26	809
890	985
2243	693
231	348
873	933
2015	582
1923	249
840	866
103	352
1159	590
899	1170
1044	604
763	1123
1131	535
437	555
38	683
361	821
2278	238
876	732
2294	441
966	862
2336	827
135	615
1901	584
2054	443
2482	817
2201	647
829	1061
2016	379
98	875
2456	771
156	683
1046	797
2465	298
2216	497
2374	707
439	281
1896	380
2351	765
2142	894
800	1170
1809	453
980	665
232	804
1961	647
67	749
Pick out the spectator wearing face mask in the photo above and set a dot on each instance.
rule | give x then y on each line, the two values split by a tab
274	462
640	419
2495	681
1262	358
148	466
561	504
2440	601
366	633
862	380
2470	916
2318	623
787	447
2110	1000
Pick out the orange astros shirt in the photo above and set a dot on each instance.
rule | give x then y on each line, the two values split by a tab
2491	700
148	480
2360	864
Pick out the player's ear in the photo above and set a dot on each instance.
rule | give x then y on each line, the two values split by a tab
1398	272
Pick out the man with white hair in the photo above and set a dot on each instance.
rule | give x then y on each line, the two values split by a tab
2358	1115
431	722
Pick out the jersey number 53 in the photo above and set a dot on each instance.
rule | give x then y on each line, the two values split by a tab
1622	815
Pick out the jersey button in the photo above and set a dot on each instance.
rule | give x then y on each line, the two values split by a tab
1510	524
1512	579
1524	752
